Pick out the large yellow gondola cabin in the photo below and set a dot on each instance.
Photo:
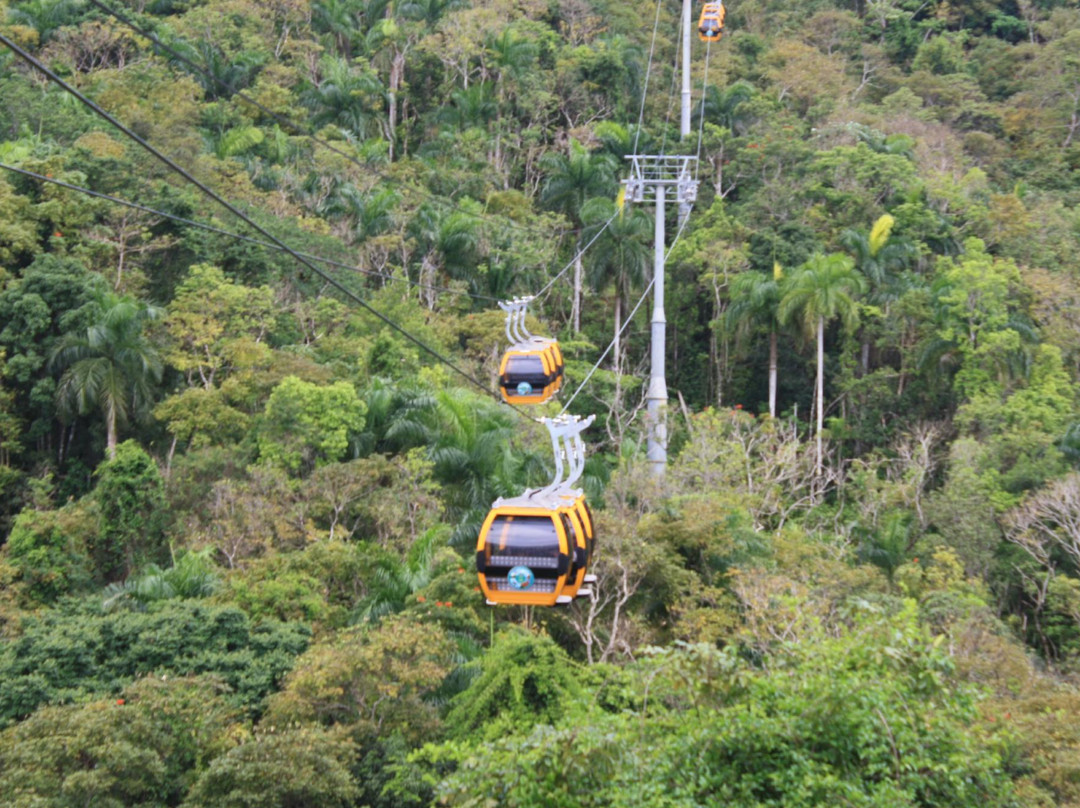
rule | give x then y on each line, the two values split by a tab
583	540
711	22
534	550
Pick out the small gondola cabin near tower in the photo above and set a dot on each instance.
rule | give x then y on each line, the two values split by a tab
531	371
711	24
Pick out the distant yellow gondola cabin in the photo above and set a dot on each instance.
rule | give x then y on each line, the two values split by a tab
711	23
531	372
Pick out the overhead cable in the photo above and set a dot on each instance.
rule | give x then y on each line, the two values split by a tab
238	236
626	322
37	65
282	119
577	256
648	70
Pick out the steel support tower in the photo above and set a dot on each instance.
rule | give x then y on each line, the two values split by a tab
651	176
684	118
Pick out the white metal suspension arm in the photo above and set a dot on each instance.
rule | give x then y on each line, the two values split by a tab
556	480
515	309
519	325
576	450
523	329
566	440
509	308
574	447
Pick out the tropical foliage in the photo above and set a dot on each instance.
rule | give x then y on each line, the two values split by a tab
239	497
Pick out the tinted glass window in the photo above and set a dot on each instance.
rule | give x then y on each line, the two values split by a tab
525	366
529	541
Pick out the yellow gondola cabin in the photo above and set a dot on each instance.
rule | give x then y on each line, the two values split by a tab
531	372
525	553
535	549
711	23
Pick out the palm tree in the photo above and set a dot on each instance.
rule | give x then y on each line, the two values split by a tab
340	19
755	301
879	258
219	74
573	179
192	575
395	580
368	214
507	54
620	257
110	365
428	12
344	97
473	107
822	289
447	242
472	457
398	418
878	141
616	139
722	106
45	16
1070	444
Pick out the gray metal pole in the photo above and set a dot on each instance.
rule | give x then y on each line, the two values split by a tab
684	120
657	395
684	124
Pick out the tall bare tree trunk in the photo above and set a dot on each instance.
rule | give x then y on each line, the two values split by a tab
617	342
110	431
575	309
772	374
397	75
820	391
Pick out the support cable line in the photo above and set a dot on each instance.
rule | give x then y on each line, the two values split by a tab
626	323
607	350
87	102
238	236
648	71
671	95
577	255
284	120
701	118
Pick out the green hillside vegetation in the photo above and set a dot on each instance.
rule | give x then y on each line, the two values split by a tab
240	493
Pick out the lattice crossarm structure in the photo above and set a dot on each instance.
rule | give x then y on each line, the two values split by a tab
651	171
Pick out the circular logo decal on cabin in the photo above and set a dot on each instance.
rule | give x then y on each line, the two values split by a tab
524	388
520	578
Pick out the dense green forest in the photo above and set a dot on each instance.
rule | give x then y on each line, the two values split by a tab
240	492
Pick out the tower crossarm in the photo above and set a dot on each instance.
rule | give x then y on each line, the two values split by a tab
651	171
